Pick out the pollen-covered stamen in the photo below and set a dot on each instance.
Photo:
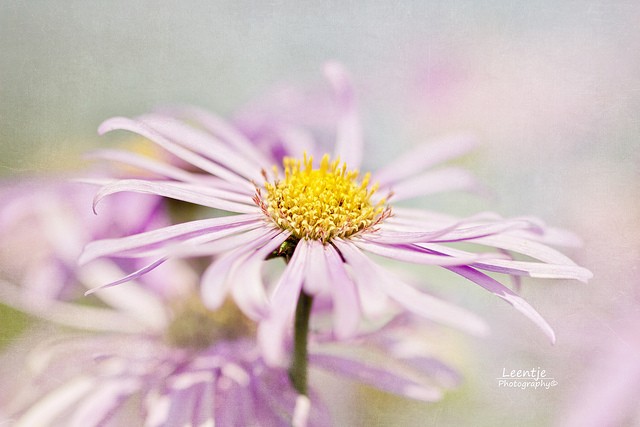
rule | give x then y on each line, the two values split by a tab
321	203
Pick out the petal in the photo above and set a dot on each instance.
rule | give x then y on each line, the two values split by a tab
47	409
146	164
349	142
536	269
167	235
415	301
132	276
272	331
316	275
68	314
377	377
439	181
346	305
122	123
423	157
416	254
248	289
203	144
520	268
387	235
222	129
215	281
219	199
526	247
506	294
136	301
102	401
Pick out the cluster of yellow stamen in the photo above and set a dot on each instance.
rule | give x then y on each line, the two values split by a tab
321	203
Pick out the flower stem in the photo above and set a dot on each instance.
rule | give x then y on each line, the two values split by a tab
298	368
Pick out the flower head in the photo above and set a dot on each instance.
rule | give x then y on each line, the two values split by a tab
324	219
139	355
323	203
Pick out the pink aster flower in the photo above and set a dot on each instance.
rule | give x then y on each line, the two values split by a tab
325	218
199	369
45	224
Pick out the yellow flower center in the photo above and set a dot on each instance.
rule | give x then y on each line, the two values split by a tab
322	203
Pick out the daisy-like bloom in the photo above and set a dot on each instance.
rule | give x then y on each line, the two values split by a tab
197	368
151	354
324	217
45	224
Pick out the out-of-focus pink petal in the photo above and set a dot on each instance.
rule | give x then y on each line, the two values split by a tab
423	157
68	314
438	181
47	409
96	408
349	142
147	164
377	377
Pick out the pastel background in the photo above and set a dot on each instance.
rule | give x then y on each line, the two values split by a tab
551	89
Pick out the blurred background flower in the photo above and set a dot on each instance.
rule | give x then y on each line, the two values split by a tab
551	91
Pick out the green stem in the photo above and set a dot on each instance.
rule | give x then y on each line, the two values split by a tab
298	368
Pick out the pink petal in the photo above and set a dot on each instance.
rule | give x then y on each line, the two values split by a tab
349	141
389	236
146	164
219	199
416	254
346	305
506	294
129	277
248	289
68	314
377	377
316	275
521	268
536	269
423	157
215	281
272	331
439	181
223	130
204	144
420	303
100	403
165	235
140	128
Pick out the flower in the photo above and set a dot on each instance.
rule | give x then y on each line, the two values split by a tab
323	217
45	224
151	354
